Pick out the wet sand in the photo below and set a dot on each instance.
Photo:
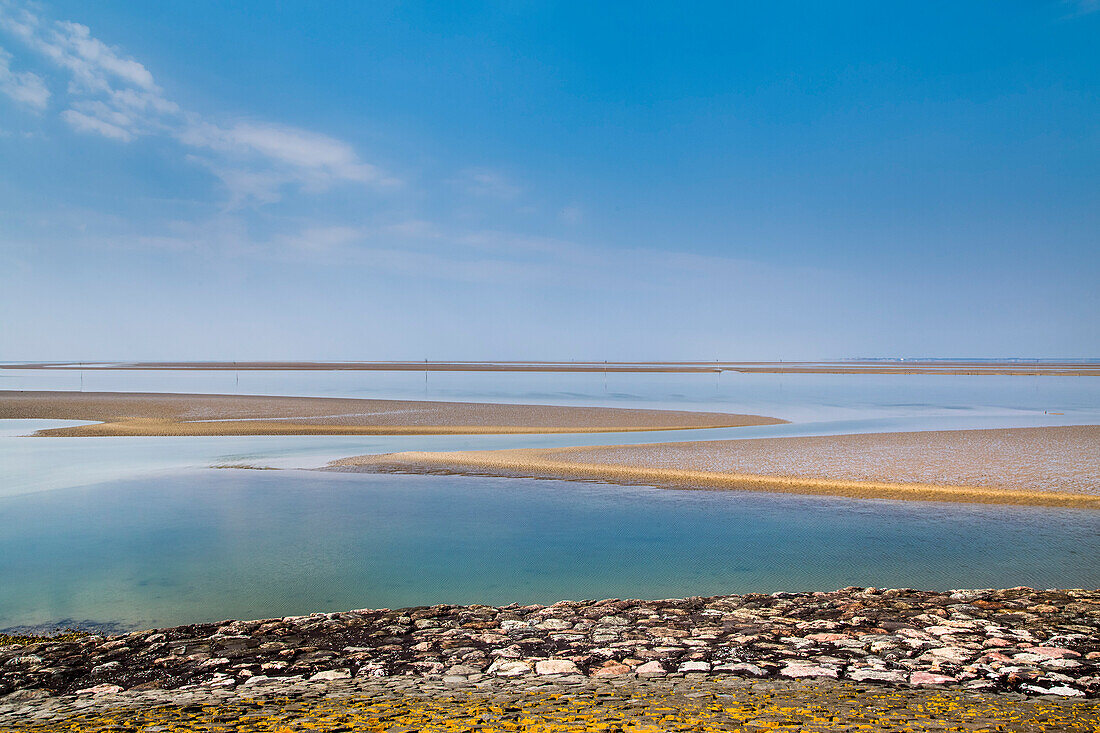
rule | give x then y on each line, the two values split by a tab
1053	466
121	413
961	367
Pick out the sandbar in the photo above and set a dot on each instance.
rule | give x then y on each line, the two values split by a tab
957	367
1049	466
133	414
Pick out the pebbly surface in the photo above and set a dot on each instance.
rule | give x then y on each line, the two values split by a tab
691	702
1017	640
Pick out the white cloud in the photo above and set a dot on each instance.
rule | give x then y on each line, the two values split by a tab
259	162
22	86
88	123
304	149
142	101
292	155
109	93
105	112
244	186
94	64
116	96
94	61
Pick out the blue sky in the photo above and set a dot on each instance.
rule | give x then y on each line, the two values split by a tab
187	180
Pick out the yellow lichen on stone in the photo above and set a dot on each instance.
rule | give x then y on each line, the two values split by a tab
673	708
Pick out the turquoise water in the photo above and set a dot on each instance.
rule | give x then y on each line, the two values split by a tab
140	531
208	545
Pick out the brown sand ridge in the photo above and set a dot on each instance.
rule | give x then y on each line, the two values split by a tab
1053	466
122	413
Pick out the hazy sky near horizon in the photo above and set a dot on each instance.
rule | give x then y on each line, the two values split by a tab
389	180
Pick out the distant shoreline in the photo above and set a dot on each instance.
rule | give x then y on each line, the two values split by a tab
165	414
1022	367
1051	467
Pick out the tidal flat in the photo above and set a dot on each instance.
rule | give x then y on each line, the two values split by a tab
120	414
1052	466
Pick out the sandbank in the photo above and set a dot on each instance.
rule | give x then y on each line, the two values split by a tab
123	413
1050	466
868	366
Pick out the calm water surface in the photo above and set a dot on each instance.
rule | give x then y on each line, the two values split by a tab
139	531
210	545
796	397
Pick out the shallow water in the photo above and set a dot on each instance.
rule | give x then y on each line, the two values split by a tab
140	531
796	397
208	545
817	404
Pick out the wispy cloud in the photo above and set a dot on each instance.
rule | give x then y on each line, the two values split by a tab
105	92
257	159
287	145
115	96
487	183
108	93
83	122
24	87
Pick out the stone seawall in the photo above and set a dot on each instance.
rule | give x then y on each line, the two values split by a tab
1015	641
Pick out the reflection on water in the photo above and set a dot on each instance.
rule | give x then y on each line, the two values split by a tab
209	545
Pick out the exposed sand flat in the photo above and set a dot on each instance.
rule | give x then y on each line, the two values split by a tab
1055	466
1003	368
122	413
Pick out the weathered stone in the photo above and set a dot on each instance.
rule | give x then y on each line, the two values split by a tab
875	675
105	669
977	639
554	624
1053	652
100	690
809	670
928	678
611	670
555	666
463	669
742	668
509	668
652	669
